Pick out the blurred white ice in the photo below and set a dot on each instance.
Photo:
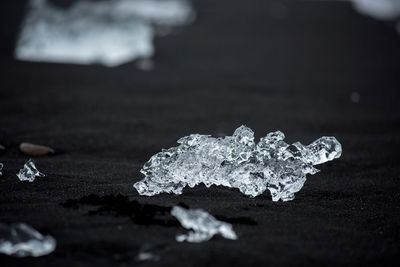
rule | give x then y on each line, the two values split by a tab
379	9
109	32
21	240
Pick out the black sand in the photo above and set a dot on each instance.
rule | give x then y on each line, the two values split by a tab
235	65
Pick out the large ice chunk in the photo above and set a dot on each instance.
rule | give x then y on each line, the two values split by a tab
29	172
21	240
237	161
106	32
204	225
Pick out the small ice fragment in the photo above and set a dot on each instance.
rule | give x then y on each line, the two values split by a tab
148	253
147	256
35	150
21	240
29	172
1	168
204	225
237	161
2	147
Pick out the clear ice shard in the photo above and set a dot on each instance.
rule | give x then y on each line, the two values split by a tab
29	172
21	240
1	169
110	33
204	225
237	161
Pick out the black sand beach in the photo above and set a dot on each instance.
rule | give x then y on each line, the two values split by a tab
238	63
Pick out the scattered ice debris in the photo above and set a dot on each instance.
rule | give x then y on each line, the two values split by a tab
29	172
35	150
204	225
106	32
1	169
21	240
237	161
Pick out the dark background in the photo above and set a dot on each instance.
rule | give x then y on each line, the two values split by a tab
287	65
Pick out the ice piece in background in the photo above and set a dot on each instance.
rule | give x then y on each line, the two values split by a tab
204	225
147	256
1	169
106	32
237	161
388	10
21	240
149	252
379	9
29	172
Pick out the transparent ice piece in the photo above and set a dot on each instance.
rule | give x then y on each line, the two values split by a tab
29	172
1	168
90	32
204	225
237	161
21	240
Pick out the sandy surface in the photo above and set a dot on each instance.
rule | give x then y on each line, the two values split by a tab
237	64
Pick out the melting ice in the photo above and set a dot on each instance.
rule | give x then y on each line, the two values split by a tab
106	32
237	161
29	172
204	225
21	240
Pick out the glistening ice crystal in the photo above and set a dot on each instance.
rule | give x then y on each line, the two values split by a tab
29	172
237	161
204	225
22	240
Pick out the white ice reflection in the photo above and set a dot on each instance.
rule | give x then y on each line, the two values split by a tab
109	32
